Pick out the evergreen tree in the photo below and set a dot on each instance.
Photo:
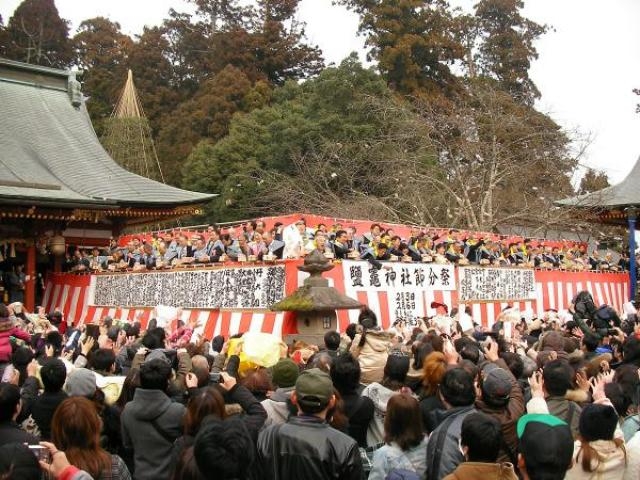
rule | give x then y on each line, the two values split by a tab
592	181
155	76
205	116
225	58
188	51
415	42
266	42
279	43
507	46
257	168
4	38
38	35
223	15
100	49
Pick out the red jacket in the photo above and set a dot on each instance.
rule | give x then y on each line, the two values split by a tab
5	345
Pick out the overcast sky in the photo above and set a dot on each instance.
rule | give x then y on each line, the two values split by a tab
589	63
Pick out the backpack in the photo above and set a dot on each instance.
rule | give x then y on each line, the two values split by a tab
402	474
605	318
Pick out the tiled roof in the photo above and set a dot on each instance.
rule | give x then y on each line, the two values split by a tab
50	155
624	194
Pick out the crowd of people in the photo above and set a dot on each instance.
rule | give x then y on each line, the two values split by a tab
252	242
534	398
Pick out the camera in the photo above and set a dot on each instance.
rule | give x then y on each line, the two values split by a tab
41	453
484	335
215	377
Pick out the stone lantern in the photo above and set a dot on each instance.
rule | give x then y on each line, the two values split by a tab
315	302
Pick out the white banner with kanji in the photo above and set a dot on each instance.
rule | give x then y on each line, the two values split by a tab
402	276
482	284
405	285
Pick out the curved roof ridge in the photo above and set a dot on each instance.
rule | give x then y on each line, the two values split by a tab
45	139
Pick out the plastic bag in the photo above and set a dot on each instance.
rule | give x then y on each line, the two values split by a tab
262	349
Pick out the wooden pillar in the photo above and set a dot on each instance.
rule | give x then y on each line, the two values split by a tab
632	213
30	283
57	263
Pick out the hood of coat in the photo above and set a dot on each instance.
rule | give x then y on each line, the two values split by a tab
378	341
578	396
440	415
282	394
7	323
148	404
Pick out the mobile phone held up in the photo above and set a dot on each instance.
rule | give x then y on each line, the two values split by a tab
93	331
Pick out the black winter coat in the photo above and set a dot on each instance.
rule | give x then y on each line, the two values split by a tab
307	448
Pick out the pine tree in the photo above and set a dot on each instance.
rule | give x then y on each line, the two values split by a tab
204	116
281	53
156	79
221	15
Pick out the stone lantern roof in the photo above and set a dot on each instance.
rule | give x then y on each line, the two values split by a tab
315	294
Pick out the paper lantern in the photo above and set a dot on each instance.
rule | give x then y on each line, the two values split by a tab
57	245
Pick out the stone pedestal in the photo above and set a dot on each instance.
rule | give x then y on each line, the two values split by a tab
313	325
315	303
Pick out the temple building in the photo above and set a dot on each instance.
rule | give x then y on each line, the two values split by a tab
615	205
58	186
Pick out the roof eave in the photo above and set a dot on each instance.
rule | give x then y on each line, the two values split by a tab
24	200
30	67
200	201
570	202
102	204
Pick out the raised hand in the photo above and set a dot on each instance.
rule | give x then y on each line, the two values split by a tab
450	353
87	345
536	382
191	380
228	382
583	381
491	353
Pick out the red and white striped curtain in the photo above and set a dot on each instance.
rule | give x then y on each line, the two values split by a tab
555	289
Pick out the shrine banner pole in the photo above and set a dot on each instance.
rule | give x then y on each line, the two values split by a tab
631	219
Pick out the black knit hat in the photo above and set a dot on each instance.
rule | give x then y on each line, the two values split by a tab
597	422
